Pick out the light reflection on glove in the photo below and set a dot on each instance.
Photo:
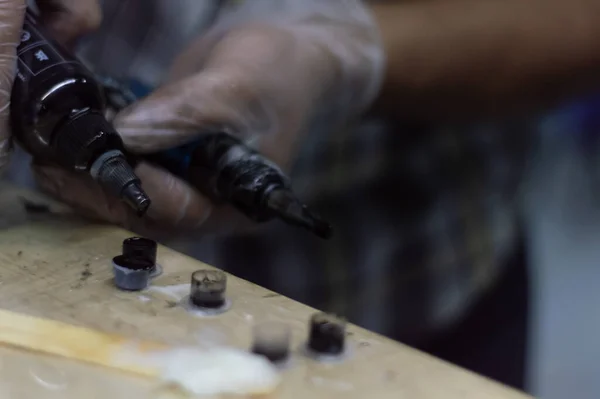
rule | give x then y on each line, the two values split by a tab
260	73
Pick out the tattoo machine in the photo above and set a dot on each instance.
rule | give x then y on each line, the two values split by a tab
57	115
228	171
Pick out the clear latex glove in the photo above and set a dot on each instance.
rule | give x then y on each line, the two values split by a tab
262	72
12	13
78	15
68	20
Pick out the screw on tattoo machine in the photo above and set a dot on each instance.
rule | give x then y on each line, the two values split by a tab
228	171
57	115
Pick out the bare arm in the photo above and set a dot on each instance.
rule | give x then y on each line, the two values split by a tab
452	57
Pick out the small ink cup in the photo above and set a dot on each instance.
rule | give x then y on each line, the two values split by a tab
131	274
272	340
327	334
141	248
208	289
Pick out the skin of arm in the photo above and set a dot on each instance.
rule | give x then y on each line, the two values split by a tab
453	58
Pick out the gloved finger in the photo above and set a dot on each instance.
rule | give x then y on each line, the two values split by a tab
234	92
176	113
174	205
12	13
191	59
68	20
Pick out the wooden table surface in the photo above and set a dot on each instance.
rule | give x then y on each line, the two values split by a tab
58	267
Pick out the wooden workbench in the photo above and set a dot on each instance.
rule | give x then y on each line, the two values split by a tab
56	266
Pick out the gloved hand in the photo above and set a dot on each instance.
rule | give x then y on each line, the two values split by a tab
262	72
67	18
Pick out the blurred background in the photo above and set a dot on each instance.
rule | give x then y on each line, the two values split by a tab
561	205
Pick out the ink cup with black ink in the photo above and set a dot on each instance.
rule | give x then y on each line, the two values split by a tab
272	340
208	292
131	274
143	249
327	336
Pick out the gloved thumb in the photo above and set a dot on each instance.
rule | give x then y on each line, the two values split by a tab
67	20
